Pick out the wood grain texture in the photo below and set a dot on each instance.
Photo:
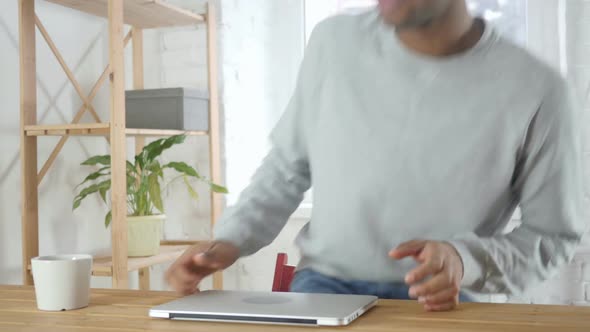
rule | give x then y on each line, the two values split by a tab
179	242
169	251
137	35
82	129
28	145
138	13
74	126
126	311
118	146
214	116
162	132
214	123
167	254
138	84
144	279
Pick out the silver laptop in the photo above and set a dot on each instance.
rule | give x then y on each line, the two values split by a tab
267	308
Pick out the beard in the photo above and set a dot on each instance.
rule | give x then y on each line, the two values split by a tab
418	19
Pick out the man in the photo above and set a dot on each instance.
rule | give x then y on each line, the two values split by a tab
421	130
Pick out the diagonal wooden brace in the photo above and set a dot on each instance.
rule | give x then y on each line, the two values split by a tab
59	146
65	67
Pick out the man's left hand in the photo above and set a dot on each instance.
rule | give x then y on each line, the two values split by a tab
439	260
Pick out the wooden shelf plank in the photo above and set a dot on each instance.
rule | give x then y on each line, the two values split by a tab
143	14
169	251
102	266
93	129
162	132
101	129
179	242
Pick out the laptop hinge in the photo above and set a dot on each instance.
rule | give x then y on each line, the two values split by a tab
243	319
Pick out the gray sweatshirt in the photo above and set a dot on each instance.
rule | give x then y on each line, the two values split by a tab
401	146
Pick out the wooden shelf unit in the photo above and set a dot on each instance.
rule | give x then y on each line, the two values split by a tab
140	14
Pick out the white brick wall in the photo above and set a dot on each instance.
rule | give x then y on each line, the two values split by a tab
184	57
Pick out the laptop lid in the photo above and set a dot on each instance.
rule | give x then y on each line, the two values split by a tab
269	308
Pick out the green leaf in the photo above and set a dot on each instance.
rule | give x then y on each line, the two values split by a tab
190	188
153	145
98	160
107	219
94	188
173	140
183	168
103	194
140	160
155	192
95	175
90	190
141	196
143	186
130	168
77	203
218	189
155	167
155	149
131	180
152	150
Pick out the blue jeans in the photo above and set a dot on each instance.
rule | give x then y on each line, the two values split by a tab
309	281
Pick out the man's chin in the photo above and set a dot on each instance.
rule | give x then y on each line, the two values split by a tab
407	24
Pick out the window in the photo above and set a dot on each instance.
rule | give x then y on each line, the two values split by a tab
508	16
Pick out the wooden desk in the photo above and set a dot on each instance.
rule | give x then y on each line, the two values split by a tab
127	311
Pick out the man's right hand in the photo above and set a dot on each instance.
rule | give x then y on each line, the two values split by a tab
199	262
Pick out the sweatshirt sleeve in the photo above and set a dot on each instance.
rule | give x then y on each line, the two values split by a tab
549	185
278	186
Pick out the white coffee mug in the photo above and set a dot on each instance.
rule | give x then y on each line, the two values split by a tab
62	282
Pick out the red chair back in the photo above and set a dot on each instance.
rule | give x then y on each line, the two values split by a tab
283	274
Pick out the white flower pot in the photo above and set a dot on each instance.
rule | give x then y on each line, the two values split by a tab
144	234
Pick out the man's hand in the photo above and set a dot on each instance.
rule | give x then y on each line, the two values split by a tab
198	262
439	260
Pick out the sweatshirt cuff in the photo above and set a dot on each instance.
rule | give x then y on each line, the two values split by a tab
472	269
233	236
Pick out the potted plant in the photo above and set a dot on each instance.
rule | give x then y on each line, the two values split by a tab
144	194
